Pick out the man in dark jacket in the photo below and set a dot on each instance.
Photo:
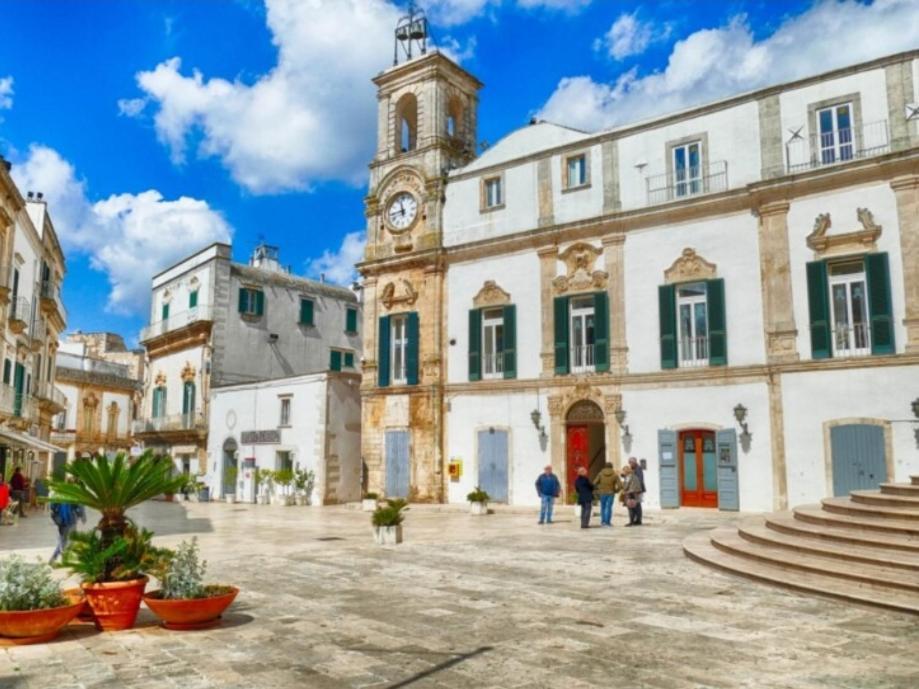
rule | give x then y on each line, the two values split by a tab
547	488
640	473
585	490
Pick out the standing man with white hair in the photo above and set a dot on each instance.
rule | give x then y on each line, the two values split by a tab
548	488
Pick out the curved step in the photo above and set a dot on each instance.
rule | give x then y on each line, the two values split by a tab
787	523
730	541
758	532
815	514
873	497
698	547
847	506
900	489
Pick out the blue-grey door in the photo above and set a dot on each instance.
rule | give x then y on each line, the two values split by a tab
728	489
669	471
493	464
859	457
397	465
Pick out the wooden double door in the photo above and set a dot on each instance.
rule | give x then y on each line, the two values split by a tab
698	469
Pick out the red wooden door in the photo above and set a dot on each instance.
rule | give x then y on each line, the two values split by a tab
698	470
578	452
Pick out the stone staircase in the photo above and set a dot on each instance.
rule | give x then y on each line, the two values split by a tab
863	548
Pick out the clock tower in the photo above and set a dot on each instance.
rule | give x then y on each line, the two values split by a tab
426	126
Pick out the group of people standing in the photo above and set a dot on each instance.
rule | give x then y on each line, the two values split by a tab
628	483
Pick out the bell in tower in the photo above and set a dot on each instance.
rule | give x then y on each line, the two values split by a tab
411	35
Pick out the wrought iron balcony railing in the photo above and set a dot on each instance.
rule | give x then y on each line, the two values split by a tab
204	312
51	292
171	422
686	182
837	146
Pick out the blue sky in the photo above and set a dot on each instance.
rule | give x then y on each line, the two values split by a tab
155	127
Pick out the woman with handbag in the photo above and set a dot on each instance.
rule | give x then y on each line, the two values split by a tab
631	490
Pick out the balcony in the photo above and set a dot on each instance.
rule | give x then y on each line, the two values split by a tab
693	352
493	365
50	396
51	300
38	334
20	314
838	146
176	321
20	407
582	358
172	424
851	340
691	181
74	362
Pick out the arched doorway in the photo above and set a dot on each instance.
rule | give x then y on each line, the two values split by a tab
585	440
229	466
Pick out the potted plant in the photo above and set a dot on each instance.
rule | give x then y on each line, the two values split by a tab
229	479
113	558
304	479
572	499
264	485
204	492
283	478
33	608
478	502
369	502
184	601
387	522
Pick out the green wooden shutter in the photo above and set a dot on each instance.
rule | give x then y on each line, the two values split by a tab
349	359
880	311
259	302
601	331
188	398
335	360
666	304
475	344
818	302
165	312
306	312
510	341
561	335
243	300
351	321
384	353
717	323
7	371
192	299
411	351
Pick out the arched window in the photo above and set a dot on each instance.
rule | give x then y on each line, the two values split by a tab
188	399
455	118
159	401
113	413
407	122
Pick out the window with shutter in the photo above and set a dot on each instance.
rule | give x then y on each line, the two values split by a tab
560	312
306	312
193	299
819	310
165	312
475	344
188	398
7	371
351	321
413	349
717	323
349	360
877	270
510	341
666	301
335	360
251	301
601	331
384	353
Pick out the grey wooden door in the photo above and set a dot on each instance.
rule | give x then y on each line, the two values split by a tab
493	464
728	488
669	472
397	464
858	456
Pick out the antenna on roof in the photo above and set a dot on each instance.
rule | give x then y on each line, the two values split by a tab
411	34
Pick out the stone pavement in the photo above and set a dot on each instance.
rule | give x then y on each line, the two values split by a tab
493	602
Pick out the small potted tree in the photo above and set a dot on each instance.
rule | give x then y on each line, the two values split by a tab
283	478
304	480
369	502
204	492
387	522
264	486
478	502
33	608
229	479
185	601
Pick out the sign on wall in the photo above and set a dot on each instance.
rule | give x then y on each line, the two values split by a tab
455	469
261	437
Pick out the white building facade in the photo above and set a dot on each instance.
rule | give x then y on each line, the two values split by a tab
730	293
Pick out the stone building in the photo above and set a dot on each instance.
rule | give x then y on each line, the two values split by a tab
215	323
32	316
729	292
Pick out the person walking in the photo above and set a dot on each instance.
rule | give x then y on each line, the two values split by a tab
585	490
547	488
607	484
18	491
631	493
65	516
640	473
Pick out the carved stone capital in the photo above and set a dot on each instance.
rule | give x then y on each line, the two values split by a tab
188	372
689	266
556	405
398	292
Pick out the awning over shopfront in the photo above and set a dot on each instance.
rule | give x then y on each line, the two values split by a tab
26	441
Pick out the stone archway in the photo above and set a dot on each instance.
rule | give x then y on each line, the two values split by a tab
585	440
230	470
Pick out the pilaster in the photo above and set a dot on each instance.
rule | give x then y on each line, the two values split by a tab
777	433
544	193
906	189
614	254
613	430
775	276
557	439
369	332
770	136
548	257
609	155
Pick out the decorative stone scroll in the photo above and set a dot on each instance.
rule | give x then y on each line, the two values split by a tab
402	293
491	295
857	240
188	373
584	410
160	379
579	259
689	266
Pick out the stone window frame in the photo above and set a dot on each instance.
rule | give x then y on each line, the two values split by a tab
566	182
483	197
702	138
855	99
281	400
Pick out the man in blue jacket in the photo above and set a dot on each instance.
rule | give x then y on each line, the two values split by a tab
547	488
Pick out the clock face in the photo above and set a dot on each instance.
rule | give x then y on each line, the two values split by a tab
402	211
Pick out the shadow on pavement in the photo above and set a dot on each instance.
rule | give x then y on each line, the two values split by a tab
451	660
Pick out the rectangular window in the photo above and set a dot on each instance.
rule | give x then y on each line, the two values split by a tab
687	168
692	319
835	125
493	343
165	312
351	321
193	299
349	360
576	168
494	194
306	311
398	348
582	334
849	308
285	412
7	371
251	301
335	360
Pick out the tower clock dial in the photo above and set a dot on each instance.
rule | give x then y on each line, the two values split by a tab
402	211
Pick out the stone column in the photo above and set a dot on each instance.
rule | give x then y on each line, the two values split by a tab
544	193
775	276
777	432
906	189
369	332
548	257
557	441
770	138
613	431
614	253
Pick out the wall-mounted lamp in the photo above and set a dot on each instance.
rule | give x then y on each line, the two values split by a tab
536	418
740	413
620	415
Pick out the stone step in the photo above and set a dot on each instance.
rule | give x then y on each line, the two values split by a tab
815	514
900	489
699	548
757	531
848	506
914	479
730	541
873	497
787	523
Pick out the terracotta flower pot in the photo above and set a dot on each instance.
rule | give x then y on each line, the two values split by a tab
115	603
37	626
190	613
86	613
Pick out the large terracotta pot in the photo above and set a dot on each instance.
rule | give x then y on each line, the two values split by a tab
37	626
86	613
190	613
115	603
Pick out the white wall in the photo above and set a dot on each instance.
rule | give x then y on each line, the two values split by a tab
576	204
123	400
172	365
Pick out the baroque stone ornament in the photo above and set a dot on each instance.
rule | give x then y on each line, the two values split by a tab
579	260
491	295
394	294
582	391
188	372
858	240
585	410
689	266
160	379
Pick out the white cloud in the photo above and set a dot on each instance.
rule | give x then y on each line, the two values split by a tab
6	93
459	53
628	36
565	5
131	107
129	237
338	267
714	63
454	12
